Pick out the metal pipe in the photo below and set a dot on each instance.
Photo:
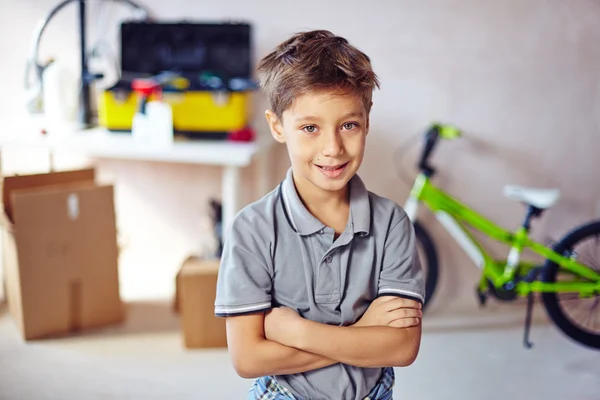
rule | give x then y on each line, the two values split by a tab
85	108
32	61
42	24
35	43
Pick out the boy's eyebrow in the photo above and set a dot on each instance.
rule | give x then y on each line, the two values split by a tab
307	118
353	114
316	119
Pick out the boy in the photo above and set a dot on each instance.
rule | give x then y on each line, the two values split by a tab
320	280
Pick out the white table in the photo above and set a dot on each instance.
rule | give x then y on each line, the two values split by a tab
99	143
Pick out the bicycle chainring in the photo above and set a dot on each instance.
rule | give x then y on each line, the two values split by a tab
506	293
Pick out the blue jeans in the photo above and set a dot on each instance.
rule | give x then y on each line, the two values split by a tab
267	388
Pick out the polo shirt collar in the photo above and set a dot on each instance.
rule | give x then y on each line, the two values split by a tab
305	223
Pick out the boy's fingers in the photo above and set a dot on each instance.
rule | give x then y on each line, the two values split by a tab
405	322
394	304
411	303
404	313
384	299
400	302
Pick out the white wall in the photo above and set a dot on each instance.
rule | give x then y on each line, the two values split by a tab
520	78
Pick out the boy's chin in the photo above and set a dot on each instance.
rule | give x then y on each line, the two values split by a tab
331	185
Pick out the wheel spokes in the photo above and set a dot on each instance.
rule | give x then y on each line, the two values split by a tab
583	311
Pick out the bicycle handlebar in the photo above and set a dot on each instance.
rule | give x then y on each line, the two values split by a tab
434	133
431	138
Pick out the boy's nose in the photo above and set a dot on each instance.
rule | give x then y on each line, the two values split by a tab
333	145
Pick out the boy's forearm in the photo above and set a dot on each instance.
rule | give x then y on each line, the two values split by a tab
271	358
374	346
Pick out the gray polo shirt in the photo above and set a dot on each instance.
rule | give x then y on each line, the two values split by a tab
278	254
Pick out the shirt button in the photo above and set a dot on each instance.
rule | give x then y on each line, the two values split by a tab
328	259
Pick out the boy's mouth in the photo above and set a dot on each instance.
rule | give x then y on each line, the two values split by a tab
332	171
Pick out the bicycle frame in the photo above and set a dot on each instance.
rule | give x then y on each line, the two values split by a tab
455	217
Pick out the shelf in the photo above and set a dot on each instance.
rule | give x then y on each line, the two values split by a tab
100	143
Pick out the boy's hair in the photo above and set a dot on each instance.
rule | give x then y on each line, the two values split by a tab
315	61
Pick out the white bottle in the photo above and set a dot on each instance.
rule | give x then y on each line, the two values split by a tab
155	127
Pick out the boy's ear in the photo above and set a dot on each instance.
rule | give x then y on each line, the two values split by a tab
275	125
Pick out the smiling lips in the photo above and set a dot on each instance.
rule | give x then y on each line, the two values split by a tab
332	171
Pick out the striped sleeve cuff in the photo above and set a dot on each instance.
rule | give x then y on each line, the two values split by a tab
401	293
232	311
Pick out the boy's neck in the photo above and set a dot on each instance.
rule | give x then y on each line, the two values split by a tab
330	207
310	194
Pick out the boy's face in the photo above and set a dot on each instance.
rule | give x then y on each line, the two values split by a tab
325	135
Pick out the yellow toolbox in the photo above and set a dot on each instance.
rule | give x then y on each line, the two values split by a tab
194	112
215	61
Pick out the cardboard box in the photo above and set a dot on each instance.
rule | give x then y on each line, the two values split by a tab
60	253
196	292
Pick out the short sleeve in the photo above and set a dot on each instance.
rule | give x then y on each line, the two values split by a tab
244	282
401	273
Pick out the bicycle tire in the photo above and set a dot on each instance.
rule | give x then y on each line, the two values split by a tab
431	273
551	300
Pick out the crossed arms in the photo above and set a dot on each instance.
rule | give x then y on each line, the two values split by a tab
281	342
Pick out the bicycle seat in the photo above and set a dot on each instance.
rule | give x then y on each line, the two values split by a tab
540	198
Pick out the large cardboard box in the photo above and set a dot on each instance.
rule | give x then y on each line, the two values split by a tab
60	253
195	299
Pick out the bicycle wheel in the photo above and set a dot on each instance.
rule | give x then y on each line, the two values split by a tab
429	261
578	318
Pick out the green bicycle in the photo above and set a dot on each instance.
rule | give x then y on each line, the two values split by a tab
569	279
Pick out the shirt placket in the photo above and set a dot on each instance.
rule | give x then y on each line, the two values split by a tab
328	270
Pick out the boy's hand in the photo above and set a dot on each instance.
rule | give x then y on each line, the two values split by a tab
281	324
392	311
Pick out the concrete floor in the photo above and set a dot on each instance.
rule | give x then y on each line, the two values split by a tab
474	354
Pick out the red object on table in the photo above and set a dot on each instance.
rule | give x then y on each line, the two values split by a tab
241	135
146	87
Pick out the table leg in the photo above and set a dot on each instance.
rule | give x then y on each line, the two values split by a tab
230	195
51	163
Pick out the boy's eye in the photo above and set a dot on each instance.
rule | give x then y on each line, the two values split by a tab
349	126
310	129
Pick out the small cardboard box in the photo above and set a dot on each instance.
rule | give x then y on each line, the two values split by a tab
195	299
60	253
